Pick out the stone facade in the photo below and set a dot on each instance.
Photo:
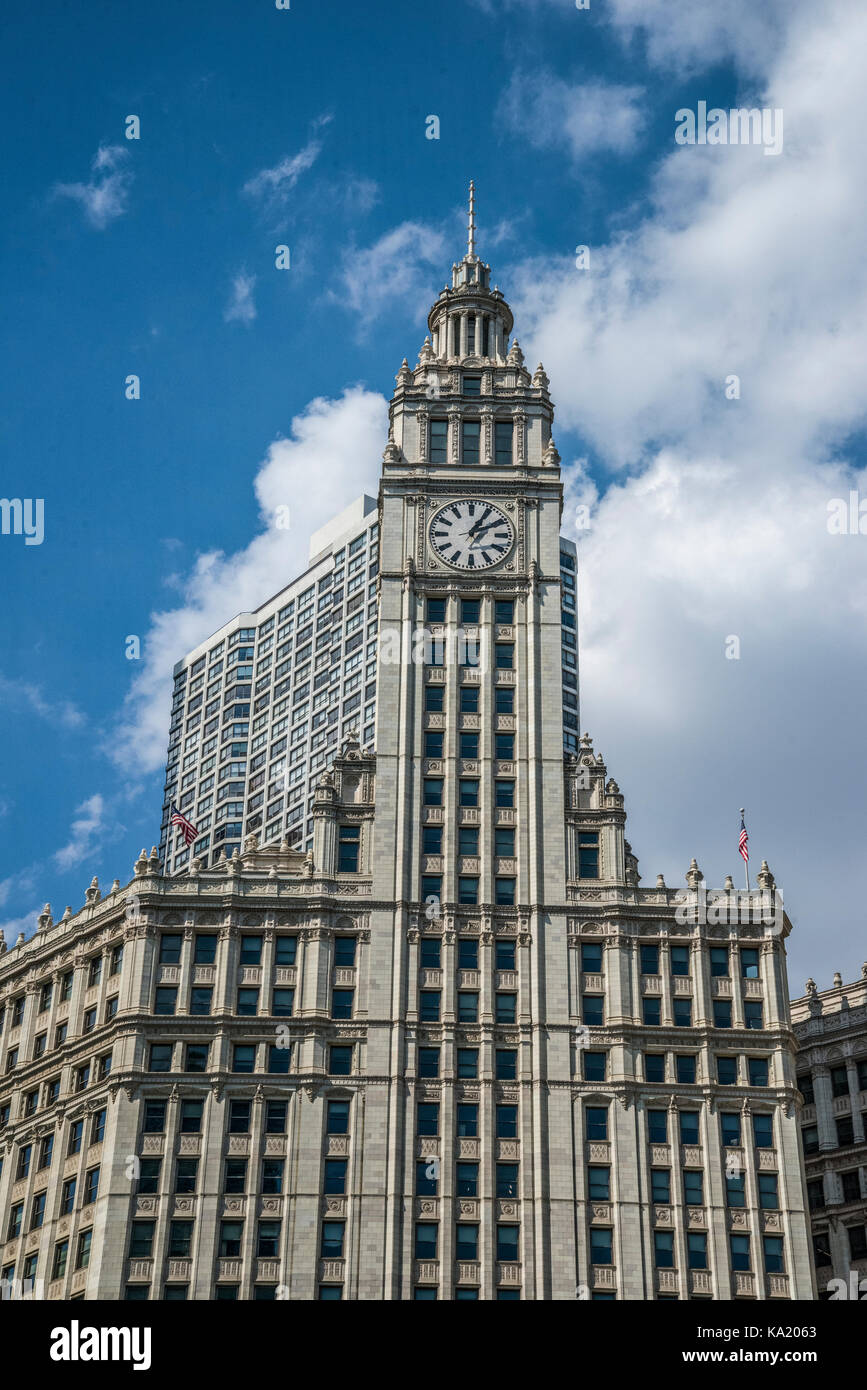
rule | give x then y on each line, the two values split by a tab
455	1051
831	1029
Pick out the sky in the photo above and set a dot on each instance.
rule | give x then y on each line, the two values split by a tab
706	356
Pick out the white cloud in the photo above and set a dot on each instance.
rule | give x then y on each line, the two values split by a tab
241	306
13	926
715	523
24	696
273	185
88	825
584	118
403	264
105	196
331	457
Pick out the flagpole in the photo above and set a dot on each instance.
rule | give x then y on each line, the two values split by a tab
746	861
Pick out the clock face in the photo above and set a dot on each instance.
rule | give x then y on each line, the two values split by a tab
471	535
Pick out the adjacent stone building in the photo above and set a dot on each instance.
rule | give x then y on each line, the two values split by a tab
831	1029
454	1050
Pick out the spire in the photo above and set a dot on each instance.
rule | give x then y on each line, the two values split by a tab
471	225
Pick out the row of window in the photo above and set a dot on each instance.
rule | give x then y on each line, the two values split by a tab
468	792
838	1079
679	960
438	440
94	967
844	1134
850	1186
593	1012
90	1191
430	1004
468	889
688	1126
49	1091
753	1071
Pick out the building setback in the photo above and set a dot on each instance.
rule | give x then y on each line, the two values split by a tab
453	1050
831	1029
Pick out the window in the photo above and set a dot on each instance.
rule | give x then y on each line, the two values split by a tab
468	953
758	1070
693	1186
200	1000
588	855
472	384
736	1189
722	1013
344	950
816	1194
428	1061
663	1249
768	1196
16	1218
433	743
753	1013
141	1240
749	963
205	952
505	1010
857	1244
434	698
186	1173
332	1240
810	1139
248	1002
504	955
268	1239
504	656
243	1057
429	1005
689	1132
349	838
591	958
650	960
279	1058
239	1117
180	1239
467	1120
91	1186
285	950
94	971
470	610
425	1240
466	1241
426	1171
504	892
154	1117
727	1071
235	1176
165	1000
340	1060
504	608
600	1246
851	1186
468	1063
504	700
282	1002
763	1131
439	434
436	612
596	1119
685	1069
657	1126
468	792
845	1132
468	840
433	791
507	1243
740	1252
427	1117
170	949
593	1010
504	793
679	956
506	1064
651	1011
654	1066
719	961
696	1249
61	1256
805	1086
821	1249
839	1081
468	890
67	1195
230	1238
76	1132
683	1013
37	1211
191	1116
598	1184
468	1007
467	1179
85	1241
470	441
275	1117
432	839
251	950
507	1121
660	1185
469	746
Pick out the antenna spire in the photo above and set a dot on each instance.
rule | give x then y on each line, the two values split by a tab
471	225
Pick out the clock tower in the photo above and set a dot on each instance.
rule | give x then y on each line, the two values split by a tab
469	839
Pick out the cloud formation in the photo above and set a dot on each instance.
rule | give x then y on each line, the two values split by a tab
84	832
105	196
25	696
584	118
241	306
272	186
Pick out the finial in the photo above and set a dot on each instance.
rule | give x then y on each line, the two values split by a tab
471	225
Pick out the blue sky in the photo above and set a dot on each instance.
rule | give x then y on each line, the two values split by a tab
306	127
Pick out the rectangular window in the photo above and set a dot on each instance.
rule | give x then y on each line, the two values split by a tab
504	793
439	436
468	1007
719	961
598	1184
285	950
660	1185
349	838
468	1063
685	1069
683	1013
433	791
468	890
693	1186
170	949
588	855
504	892
651	1010
503	451
758	1070
340	1060
428	1062
649	960
432	839
427	1117
689	1131
654	1066
663	1249
470	441
344	950
191	1116
200	1000
243	1057
679	956
467	1179
722	1013
596	1118
727	1071
467	1120
334	1182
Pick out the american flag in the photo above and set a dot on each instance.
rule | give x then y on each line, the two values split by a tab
744	842
188	830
